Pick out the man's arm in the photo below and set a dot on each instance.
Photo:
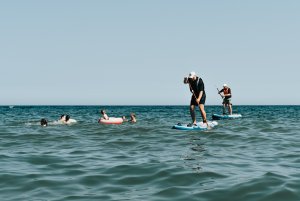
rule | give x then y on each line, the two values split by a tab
199	97
201	89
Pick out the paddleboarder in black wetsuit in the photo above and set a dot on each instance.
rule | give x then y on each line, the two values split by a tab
198	98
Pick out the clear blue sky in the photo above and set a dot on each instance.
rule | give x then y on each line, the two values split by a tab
137	52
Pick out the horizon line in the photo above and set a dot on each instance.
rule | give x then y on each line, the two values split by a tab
24	105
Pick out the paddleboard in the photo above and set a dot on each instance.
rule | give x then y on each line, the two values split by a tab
199	126
221	116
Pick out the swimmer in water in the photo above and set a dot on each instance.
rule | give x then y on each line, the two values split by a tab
104	115
44	122
132	118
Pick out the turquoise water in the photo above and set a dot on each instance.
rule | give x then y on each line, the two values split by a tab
254	158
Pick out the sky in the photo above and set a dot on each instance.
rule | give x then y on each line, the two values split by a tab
137	52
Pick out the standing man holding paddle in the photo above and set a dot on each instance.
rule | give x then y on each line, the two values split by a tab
198	98
226	98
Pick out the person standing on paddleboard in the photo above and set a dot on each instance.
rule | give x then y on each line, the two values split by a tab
226	99
198	96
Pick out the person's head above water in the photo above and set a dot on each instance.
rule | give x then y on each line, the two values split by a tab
44	122
67	117
132	118
102	112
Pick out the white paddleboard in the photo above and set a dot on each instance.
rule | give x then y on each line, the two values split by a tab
199	126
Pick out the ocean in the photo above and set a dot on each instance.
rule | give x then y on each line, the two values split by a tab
254	158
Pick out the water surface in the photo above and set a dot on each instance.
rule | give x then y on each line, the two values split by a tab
256	157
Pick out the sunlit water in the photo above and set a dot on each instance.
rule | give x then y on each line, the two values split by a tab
254	158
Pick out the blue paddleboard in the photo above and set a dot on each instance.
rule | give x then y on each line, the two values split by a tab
199	126
221	116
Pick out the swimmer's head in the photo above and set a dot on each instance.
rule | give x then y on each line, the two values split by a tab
67	117
44	122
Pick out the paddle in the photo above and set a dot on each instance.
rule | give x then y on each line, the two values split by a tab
219	92
221	97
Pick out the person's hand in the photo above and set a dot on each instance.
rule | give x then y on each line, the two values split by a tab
198	100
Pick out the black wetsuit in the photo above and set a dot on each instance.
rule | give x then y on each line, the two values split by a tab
197	86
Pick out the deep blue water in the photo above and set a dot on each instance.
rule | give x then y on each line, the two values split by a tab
254	158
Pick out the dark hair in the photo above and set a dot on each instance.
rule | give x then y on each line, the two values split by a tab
44	122
62	115
102	111
67	117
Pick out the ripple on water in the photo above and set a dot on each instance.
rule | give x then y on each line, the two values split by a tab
249	159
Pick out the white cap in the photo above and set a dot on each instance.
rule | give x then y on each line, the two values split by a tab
192	74
224	85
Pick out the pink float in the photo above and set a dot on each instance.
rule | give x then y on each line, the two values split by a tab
111	120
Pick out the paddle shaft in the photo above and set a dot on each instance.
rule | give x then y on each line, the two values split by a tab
220	93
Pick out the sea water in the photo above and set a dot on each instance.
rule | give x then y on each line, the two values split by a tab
256	157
